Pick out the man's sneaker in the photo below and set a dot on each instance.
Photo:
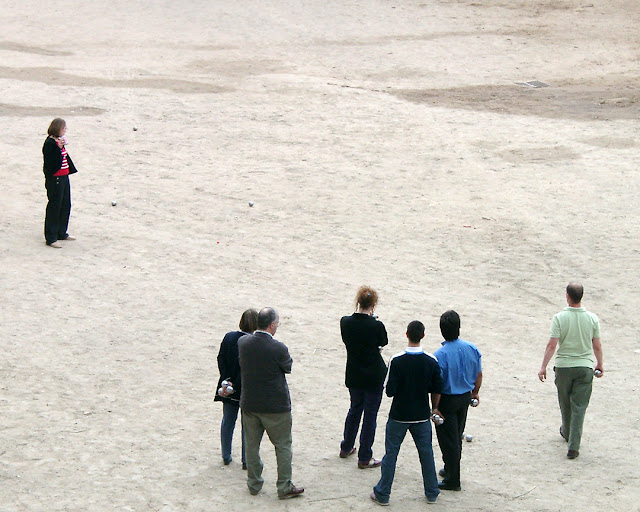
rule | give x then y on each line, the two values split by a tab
376	500
372	463
344	455
572	454
432	500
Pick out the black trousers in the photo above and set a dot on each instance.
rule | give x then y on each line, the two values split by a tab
56	219
454	409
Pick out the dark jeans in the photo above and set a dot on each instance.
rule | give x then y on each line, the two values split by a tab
367	401
454	409
421	433
58	210
229	416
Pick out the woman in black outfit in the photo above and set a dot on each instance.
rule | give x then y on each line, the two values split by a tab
57	167
229	367
364	336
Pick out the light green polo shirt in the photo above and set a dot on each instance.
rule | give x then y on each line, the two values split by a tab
575	328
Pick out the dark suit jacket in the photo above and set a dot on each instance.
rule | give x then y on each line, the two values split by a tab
229	366
362	335
264	361
52	155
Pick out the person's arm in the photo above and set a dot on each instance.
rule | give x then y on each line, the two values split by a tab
52	157
222	359
392	380
597	350
383	340
476	387
436	390
284	360
548	354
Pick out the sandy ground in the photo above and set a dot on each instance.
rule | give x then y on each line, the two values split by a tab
382	142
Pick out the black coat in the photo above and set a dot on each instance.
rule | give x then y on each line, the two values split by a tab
229	366
362	335
53	158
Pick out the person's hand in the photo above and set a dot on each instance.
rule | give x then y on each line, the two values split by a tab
60	142
433	413
542	375
598	372
475	396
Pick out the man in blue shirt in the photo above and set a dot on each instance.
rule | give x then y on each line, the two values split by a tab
461	371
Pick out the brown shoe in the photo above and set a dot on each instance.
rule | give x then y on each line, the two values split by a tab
344	455
294	492
373	463
55	245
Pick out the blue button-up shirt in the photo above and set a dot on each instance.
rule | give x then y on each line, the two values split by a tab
460	363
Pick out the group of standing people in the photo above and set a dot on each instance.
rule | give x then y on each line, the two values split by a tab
253	367
439	387
424	388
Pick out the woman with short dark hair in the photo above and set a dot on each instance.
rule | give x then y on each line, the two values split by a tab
229	367
363	336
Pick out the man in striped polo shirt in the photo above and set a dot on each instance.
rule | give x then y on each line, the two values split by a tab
412	376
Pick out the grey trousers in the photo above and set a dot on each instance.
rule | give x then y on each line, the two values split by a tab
574	391
278	428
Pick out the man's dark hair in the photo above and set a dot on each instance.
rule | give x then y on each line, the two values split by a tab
415	331
249	321
575	291
266	317
450	325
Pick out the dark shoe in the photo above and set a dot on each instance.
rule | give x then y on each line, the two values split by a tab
572	454
376	500
432	500
294	492
244	466
562	434
373	463
226	461
344	455
442	473
446	486
253	493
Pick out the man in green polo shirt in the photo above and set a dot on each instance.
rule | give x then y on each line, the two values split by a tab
576	333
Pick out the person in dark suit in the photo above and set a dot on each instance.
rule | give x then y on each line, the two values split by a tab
363	336
57	167
229	367
265	402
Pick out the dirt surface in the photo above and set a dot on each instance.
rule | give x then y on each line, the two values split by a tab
386	143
